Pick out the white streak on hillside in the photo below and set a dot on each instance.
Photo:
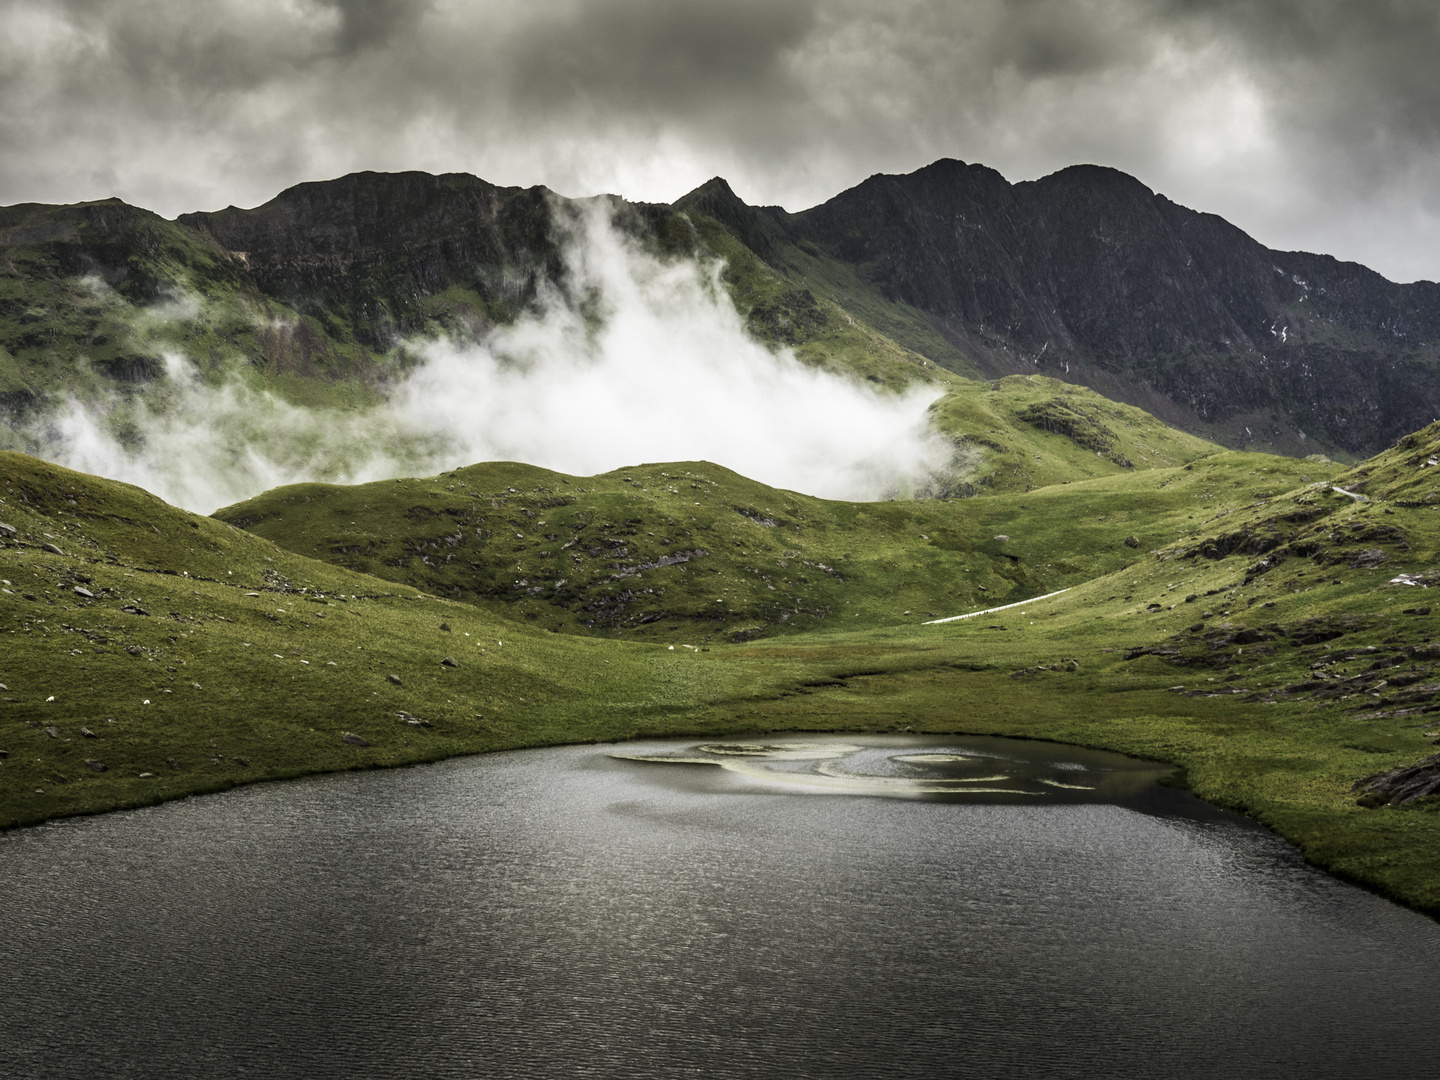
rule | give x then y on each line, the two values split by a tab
656	367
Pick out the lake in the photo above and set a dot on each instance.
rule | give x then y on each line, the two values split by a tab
789	906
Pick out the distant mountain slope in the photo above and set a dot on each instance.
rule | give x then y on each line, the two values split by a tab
373	255
1088	275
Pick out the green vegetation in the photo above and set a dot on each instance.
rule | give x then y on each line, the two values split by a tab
1240	616
204	657
692	552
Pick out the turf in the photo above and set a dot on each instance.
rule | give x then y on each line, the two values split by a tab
693	552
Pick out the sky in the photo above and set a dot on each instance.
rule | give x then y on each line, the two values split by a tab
1311	124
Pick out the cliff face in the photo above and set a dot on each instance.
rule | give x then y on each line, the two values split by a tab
368	253
1090	275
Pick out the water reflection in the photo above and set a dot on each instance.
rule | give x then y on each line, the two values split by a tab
981	770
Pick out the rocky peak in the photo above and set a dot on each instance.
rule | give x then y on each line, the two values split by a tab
377	247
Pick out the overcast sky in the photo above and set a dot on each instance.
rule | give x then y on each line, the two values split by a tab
1312	124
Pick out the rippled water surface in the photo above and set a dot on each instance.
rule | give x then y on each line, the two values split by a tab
808	907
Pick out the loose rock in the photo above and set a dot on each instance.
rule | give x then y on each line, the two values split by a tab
1401	785
95	766
394	679
7	531
353	739
85	731
81	591
52	731
52	549
450	661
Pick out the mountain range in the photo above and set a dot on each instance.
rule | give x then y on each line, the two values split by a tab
1085	275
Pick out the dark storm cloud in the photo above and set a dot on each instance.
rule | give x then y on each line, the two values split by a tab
1311	123
370	24
1353	70
668	58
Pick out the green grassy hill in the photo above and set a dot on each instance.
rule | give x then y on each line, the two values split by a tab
691	552
182	655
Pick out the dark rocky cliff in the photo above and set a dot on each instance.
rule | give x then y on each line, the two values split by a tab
367	253
1090	275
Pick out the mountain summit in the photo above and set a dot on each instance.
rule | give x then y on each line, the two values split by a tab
1089	275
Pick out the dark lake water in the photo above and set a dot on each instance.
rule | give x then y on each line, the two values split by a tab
865	907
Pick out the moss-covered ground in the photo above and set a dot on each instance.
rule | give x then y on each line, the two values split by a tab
1259	632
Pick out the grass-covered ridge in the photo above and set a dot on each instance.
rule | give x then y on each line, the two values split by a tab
1277	687
692	552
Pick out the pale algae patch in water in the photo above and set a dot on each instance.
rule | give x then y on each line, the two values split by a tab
906	768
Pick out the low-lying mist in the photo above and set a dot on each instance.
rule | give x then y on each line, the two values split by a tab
638	360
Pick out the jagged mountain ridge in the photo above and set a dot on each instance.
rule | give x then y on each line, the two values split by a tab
1086	275
1089	275
377	249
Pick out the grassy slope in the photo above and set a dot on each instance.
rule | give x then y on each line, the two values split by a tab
230	699
1030	431
94	296
1152	659
692	552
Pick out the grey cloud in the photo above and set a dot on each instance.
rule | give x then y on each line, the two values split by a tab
371	24
1312	123
666	57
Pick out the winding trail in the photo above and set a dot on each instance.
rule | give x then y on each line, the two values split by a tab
989	610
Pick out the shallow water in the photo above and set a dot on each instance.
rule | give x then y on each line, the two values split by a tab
803	913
